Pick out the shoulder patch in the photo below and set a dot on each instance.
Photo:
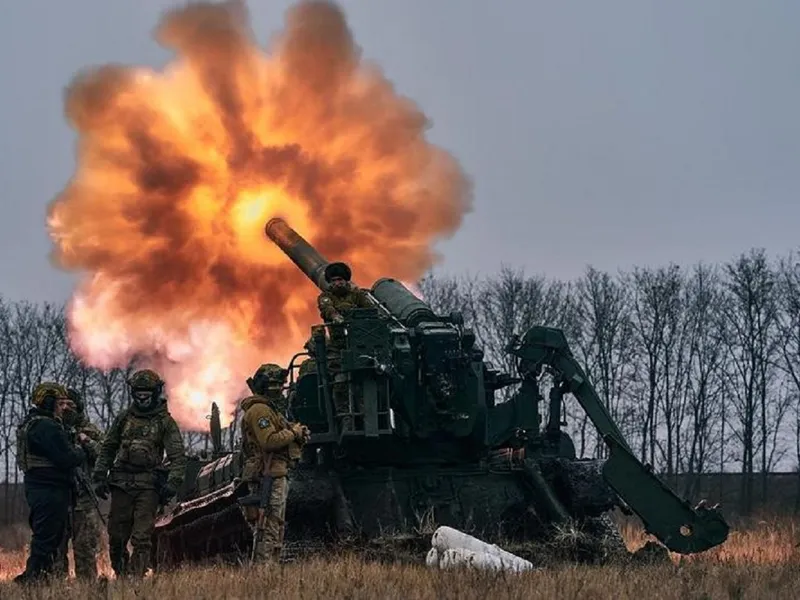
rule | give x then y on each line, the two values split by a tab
263	422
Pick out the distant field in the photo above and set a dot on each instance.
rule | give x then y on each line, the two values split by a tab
760	560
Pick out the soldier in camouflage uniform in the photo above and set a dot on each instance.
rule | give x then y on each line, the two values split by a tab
271	445
341	296
310	364
130	457
83	530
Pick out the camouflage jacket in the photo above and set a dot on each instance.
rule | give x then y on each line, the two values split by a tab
92	447
333	307
265	433
134	447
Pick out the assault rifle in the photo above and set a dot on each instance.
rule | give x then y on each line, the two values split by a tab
85	484
81	480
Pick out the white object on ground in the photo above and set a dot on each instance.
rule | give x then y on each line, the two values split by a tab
451	547
432	559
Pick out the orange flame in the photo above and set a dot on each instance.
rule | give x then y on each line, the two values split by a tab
179	170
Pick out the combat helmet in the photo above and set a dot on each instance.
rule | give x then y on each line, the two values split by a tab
145	387
338	269
268	377
46	394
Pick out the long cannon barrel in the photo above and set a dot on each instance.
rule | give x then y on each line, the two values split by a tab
303	254
392	296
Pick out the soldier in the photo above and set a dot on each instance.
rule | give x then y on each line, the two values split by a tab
309	365
47	459
84	530
341	296
271	445
133	452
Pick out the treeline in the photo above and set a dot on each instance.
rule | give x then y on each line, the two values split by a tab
700	366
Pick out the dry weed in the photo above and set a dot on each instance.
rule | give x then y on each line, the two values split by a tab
759	560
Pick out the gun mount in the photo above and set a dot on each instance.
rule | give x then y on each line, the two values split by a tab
432	439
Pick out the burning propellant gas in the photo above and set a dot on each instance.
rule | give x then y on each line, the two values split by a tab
178	170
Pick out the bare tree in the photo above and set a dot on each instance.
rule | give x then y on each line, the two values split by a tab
705	372
7	407
789	337
657	313
108	393
447	294
751	319
603	339
789	317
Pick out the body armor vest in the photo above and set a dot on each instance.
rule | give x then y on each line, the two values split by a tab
141	448
25	459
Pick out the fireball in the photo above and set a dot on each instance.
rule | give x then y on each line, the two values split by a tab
178	170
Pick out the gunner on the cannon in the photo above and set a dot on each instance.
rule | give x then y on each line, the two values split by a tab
342	295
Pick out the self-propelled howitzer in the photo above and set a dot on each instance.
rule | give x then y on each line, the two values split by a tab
434	443
442	397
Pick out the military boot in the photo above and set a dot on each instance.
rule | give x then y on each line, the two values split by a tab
119	560
140	562
263	549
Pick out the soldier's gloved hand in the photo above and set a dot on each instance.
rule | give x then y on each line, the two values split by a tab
301	433
168	492
297	431
338	319
101	488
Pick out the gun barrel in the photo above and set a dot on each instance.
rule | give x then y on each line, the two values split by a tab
401	303
303	254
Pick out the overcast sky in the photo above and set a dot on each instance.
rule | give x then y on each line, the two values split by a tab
612	133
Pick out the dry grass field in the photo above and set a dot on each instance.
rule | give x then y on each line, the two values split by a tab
760	560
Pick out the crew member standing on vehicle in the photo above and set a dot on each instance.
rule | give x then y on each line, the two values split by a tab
132	452
341	296
84	530
270	446
47	459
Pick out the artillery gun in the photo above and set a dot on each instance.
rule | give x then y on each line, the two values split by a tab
432	444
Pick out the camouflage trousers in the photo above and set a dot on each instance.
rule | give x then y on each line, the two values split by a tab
131	518
340	390
84	531
268	534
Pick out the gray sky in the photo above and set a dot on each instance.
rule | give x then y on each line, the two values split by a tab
612	133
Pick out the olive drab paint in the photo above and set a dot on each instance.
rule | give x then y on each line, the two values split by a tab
432	439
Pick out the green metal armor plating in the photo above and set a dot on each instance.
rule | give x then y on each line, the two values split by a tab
430	441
